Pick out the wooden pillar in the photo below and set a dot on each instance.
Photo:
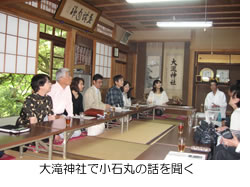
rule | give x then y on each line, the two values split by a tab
70	50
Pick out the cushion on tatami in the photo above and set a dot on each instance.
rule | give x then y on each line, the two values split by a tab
106	149
7	157
140	131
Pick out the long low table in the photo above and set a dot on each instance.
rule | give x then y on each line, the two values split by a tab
169	142
187	110
158	152
36	134
44	130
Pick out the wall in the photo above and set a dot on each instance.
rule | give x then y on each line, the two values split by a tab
162	35
212	39
223	39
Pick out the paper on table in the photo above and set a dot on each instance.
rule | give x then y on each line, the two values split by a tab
119	109
89	117
173	155
85	117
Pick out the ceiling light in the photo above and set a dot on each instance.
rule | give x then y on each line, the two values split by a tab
185	24
152	1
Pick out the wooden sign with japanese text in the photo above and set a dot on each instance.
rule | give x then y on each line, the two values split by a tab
78	14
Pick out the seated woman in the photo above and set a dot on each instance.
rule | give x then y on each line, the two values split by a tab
229	149
77	86
38	106
157	97
126	89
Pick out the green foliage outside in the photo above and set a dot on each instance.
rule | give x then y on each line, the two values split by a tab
14	89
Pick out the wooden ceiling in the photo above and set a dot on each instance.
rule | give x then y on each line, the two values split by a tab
223	13
133	17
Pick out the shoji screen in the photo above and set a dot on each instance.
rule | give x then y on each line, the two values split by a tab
18	44
103	60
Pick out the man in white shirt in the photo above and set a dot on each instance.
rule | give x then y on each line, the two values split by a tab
62	97
61	94
216	99
92	97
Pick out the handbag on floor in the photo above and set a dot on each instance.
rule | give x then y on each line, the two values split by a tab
205	134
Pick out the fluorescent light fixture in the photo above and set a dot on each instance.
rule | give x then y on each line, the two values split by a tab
152	1
202	24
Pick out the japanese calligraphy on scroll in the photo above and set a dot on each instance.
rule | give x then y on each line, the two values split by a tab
78	14
173	68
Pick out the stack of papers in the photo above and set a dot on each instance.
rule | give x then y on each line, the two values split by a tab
173	155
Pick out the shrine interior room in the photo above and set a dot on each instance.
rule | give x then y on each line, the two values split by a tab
176	63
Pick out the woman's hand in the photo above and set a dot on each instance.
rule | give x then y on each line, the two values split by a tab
33	120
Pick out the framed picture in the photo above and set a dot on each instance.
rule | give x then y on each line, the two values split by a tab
222	75
78	13
116	52
206	74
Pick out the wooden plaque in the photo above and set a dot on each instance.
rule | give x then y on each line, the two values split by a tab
78	14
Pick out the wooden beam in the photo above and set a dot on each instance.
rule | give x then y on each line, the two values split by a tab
157	28
110	4
172	14
169	7
191	19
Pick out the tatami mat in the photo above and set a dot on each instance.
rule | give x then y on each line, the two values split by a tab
139	132
106	149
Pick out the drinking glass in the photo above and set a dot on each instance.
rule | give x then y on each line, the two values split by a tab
81	116
68	119
181	144
180	128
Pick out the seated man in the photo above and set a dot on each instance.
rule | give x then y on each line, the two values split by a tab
92	97
216	99
61	97
114	96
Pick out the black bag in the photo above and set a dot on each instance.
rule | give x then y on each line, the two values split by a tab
205	134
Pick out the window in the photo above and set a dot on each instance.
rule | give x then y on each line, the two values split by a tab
18	44
103	60
48	29
51	50
45	5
